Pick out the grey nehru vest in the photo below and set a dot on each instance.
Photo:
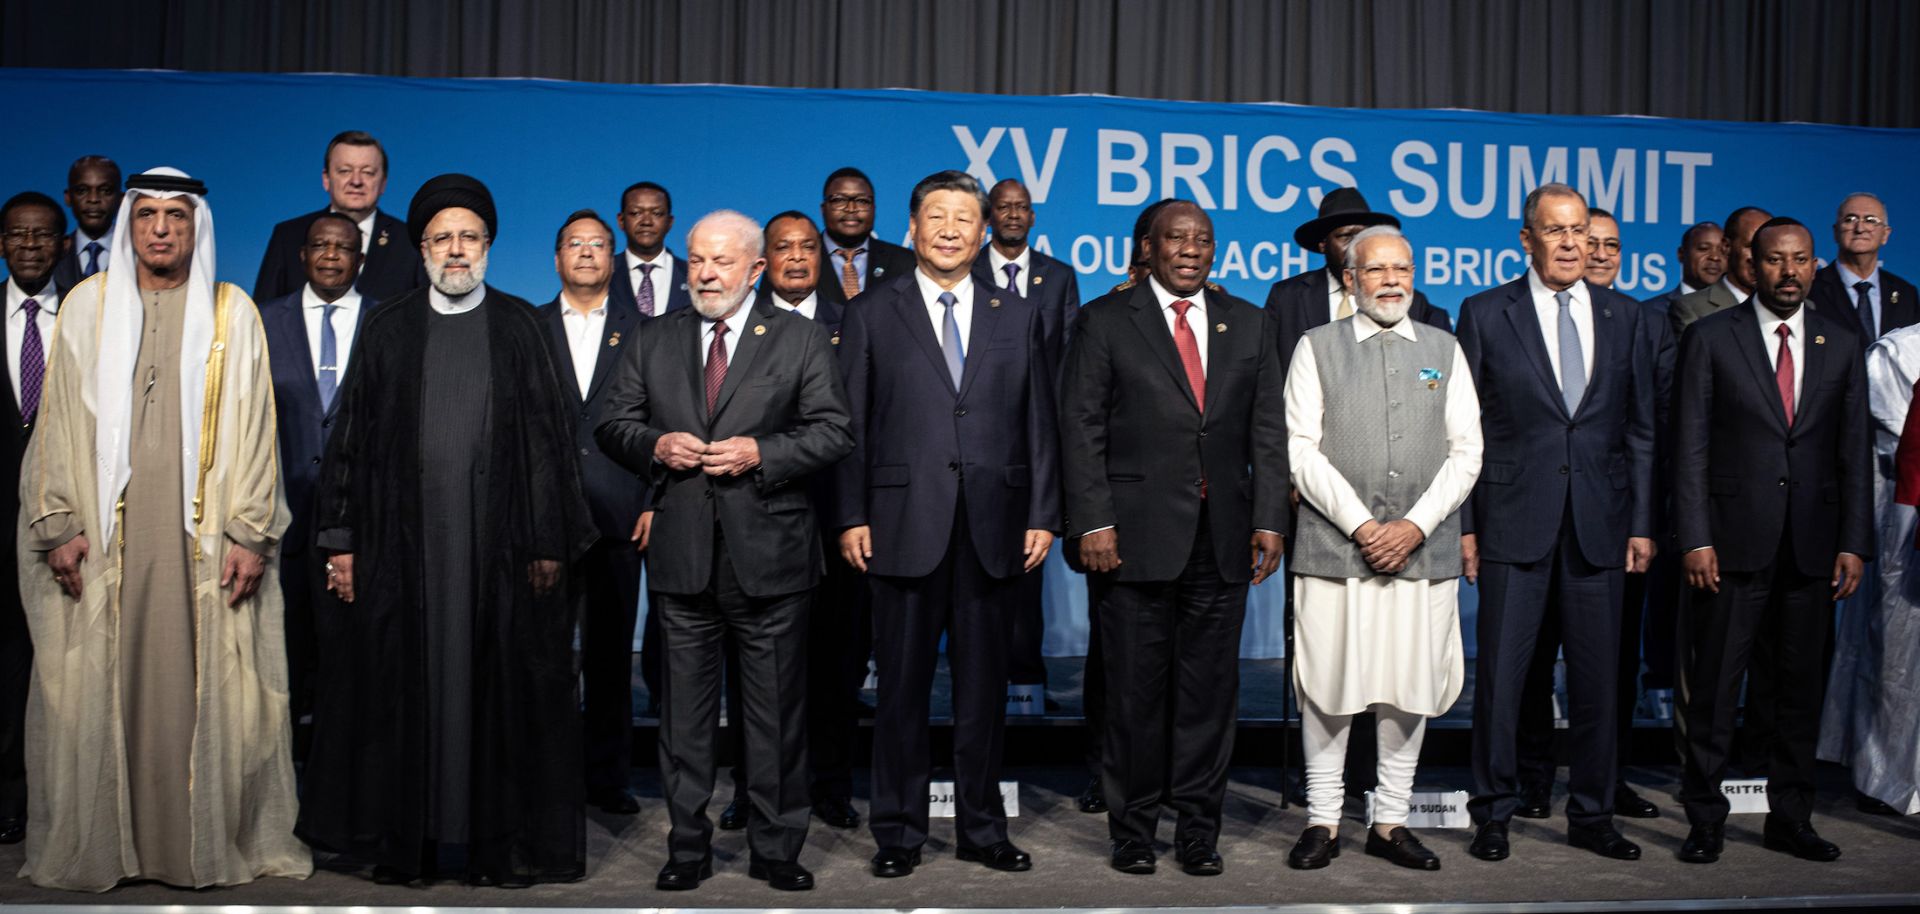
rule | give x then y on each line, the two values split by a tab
1385	430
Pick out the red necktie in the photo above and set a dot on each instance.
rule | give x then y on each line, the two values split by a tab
1189	353
716	365
1783	373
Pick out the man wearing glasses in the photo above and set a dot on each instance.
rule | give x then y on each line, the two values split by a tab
855	258
649	279
1855	283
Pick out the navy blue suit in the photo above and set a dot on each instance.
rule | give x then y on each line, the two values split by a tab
671	290
392	268
1558	497
949	480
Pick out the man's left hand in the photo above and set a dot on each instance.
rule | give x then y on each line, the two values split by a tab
731	457
1038	542
1392	546
1640	550
1267	548
1847	568
544	574
241	573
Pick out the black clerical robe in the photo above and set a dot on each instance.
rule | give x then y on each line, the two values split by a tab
387	716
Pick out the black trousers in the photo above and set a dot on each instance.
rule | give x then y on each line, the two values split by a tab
610	578
771	636
303	585
1025	666
1515	603
1537	761
1171	651
972	608
1093	678
16	674
1775	623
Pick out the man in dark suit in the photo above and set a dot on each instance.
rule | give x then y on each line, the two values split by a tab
1856	282
354	174
1173	436
1702	258
32	229
586	334
648	278
93	193
1563	506
1301	303
1773	500
736	406
1736	284
951	493
856	258
310	336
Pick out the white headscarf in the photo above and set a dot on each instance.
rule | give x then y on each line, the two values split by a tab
121	316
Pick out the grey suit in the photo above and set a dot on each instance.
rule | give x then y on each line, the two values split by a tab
1698	304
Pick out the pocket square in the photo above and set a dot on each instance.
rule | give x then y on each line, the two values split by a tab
1431	374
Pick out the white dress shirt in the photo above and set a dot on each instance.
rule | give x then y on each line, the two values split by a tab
1024	281
732	341
1686	289
1848	281
345	316
49	301
447	304
1196	315
584	330
1796	343
662	275
1336	293
937	313
1548	311
80	241
366	230
807	308
1739	297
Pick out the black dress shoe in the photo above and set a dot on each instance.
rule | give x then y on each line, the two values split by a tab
1536	801
1094	798
837	812
1000	855
1490	842
1604	840
679	877
1135	857
1632	805
734	817
14	831
1798	839
784	875
1199	858
891	862
616	800
1317	847
1401	847
1704	844
392	875
1861	802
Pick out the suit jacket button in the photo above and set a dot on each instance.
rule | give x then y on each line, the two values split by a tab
1203	433
316	461
959	412
583	452
1783	481
326	423
1563	469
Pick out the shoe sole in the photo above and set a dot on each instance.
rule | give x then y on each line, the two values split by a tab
1136	869
1319	864
1425	866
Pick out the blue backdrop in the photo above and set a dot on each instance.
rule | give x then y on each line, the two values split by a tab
1455	178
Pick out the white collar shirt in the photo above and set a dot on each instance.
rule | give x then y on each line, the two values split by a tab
80	241
366	229
937	313
661	274
1196	315
1547	309
808	307
1739	297
1796	325
346	317
49	301
584	330
732	339
1024	276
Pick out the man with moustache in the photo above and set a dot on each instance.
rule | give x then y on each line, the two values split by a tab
1173	446
93	193
353	172
1736	284
32	228
451	516
648	278
1377	560
949	496
586	333
1856	281
1702	258
856	258
1773	500
733	408
310	336
1563	506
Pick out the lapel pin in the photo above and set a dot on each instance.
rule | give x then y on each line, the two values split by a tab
879	271
615	339
1039	279
993	303
1606	312
1219	328
1819	341
759	329
383	238
1893	299
836	339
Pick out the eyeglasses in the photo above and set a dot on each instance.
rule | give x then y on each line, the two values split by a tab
444	240
31	236
574	244
1872	221
1554	234
843	201
1610	245
1379	271
322	248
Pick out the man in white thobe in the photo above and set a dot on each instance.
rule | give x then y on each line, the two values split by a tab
1384	441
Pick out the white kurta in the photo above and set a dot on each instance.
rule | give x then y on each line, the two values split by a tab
1383	639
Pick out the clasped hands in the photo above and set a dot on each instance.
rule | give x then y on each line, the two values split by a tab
1388	547
684	451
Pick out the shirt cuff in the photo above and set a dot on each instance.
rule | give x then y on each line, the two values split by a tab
1097	530
52	532
246	538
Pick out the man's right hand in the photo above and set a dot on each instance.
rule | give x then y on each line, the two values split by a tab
65	561
642	531
1470	557
856	546
1703	569
340	576
679	450
1100	550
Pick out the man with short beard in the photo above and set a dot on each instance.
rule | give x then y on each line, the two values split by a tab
1384	443
450	514
731	408
93	193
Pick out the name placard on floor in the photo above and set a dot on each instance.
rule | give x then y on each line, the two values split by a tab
1747	795
1026	700
940	804
1432	809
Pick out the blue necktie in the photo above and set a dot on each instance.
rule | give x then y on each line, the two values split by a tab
93	259
1573	375
1864	308
329	358
1013	278
950	340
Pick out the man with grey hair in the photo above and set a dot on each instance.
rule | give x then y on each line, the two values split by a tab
1856	282
731	408
1384	443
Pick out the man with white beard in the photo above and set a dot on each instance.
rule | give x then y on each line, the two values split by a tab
447	710
1384	442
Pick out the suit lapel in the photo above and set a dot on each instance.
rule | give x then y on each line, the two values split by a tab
611	339
1814	349
293	320
1746	332
1220	313
1533	341
986	316
1153	328
912	312
753	336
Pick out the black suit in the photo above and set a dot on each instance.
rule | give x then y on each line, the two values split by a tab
1185	490
885	260
1299	304
1776	503
392	267
671	290
68	268
16	646
1899	303
733	556
609	573
948	478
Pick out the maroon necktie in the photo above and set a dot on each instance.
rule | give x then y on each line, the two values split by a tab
1783	373
716	365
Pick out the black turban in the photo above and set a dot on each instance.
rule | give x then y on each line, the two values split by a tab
447	192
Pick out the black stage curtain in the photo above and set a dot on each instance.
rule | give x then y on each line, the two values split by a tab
1838	62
